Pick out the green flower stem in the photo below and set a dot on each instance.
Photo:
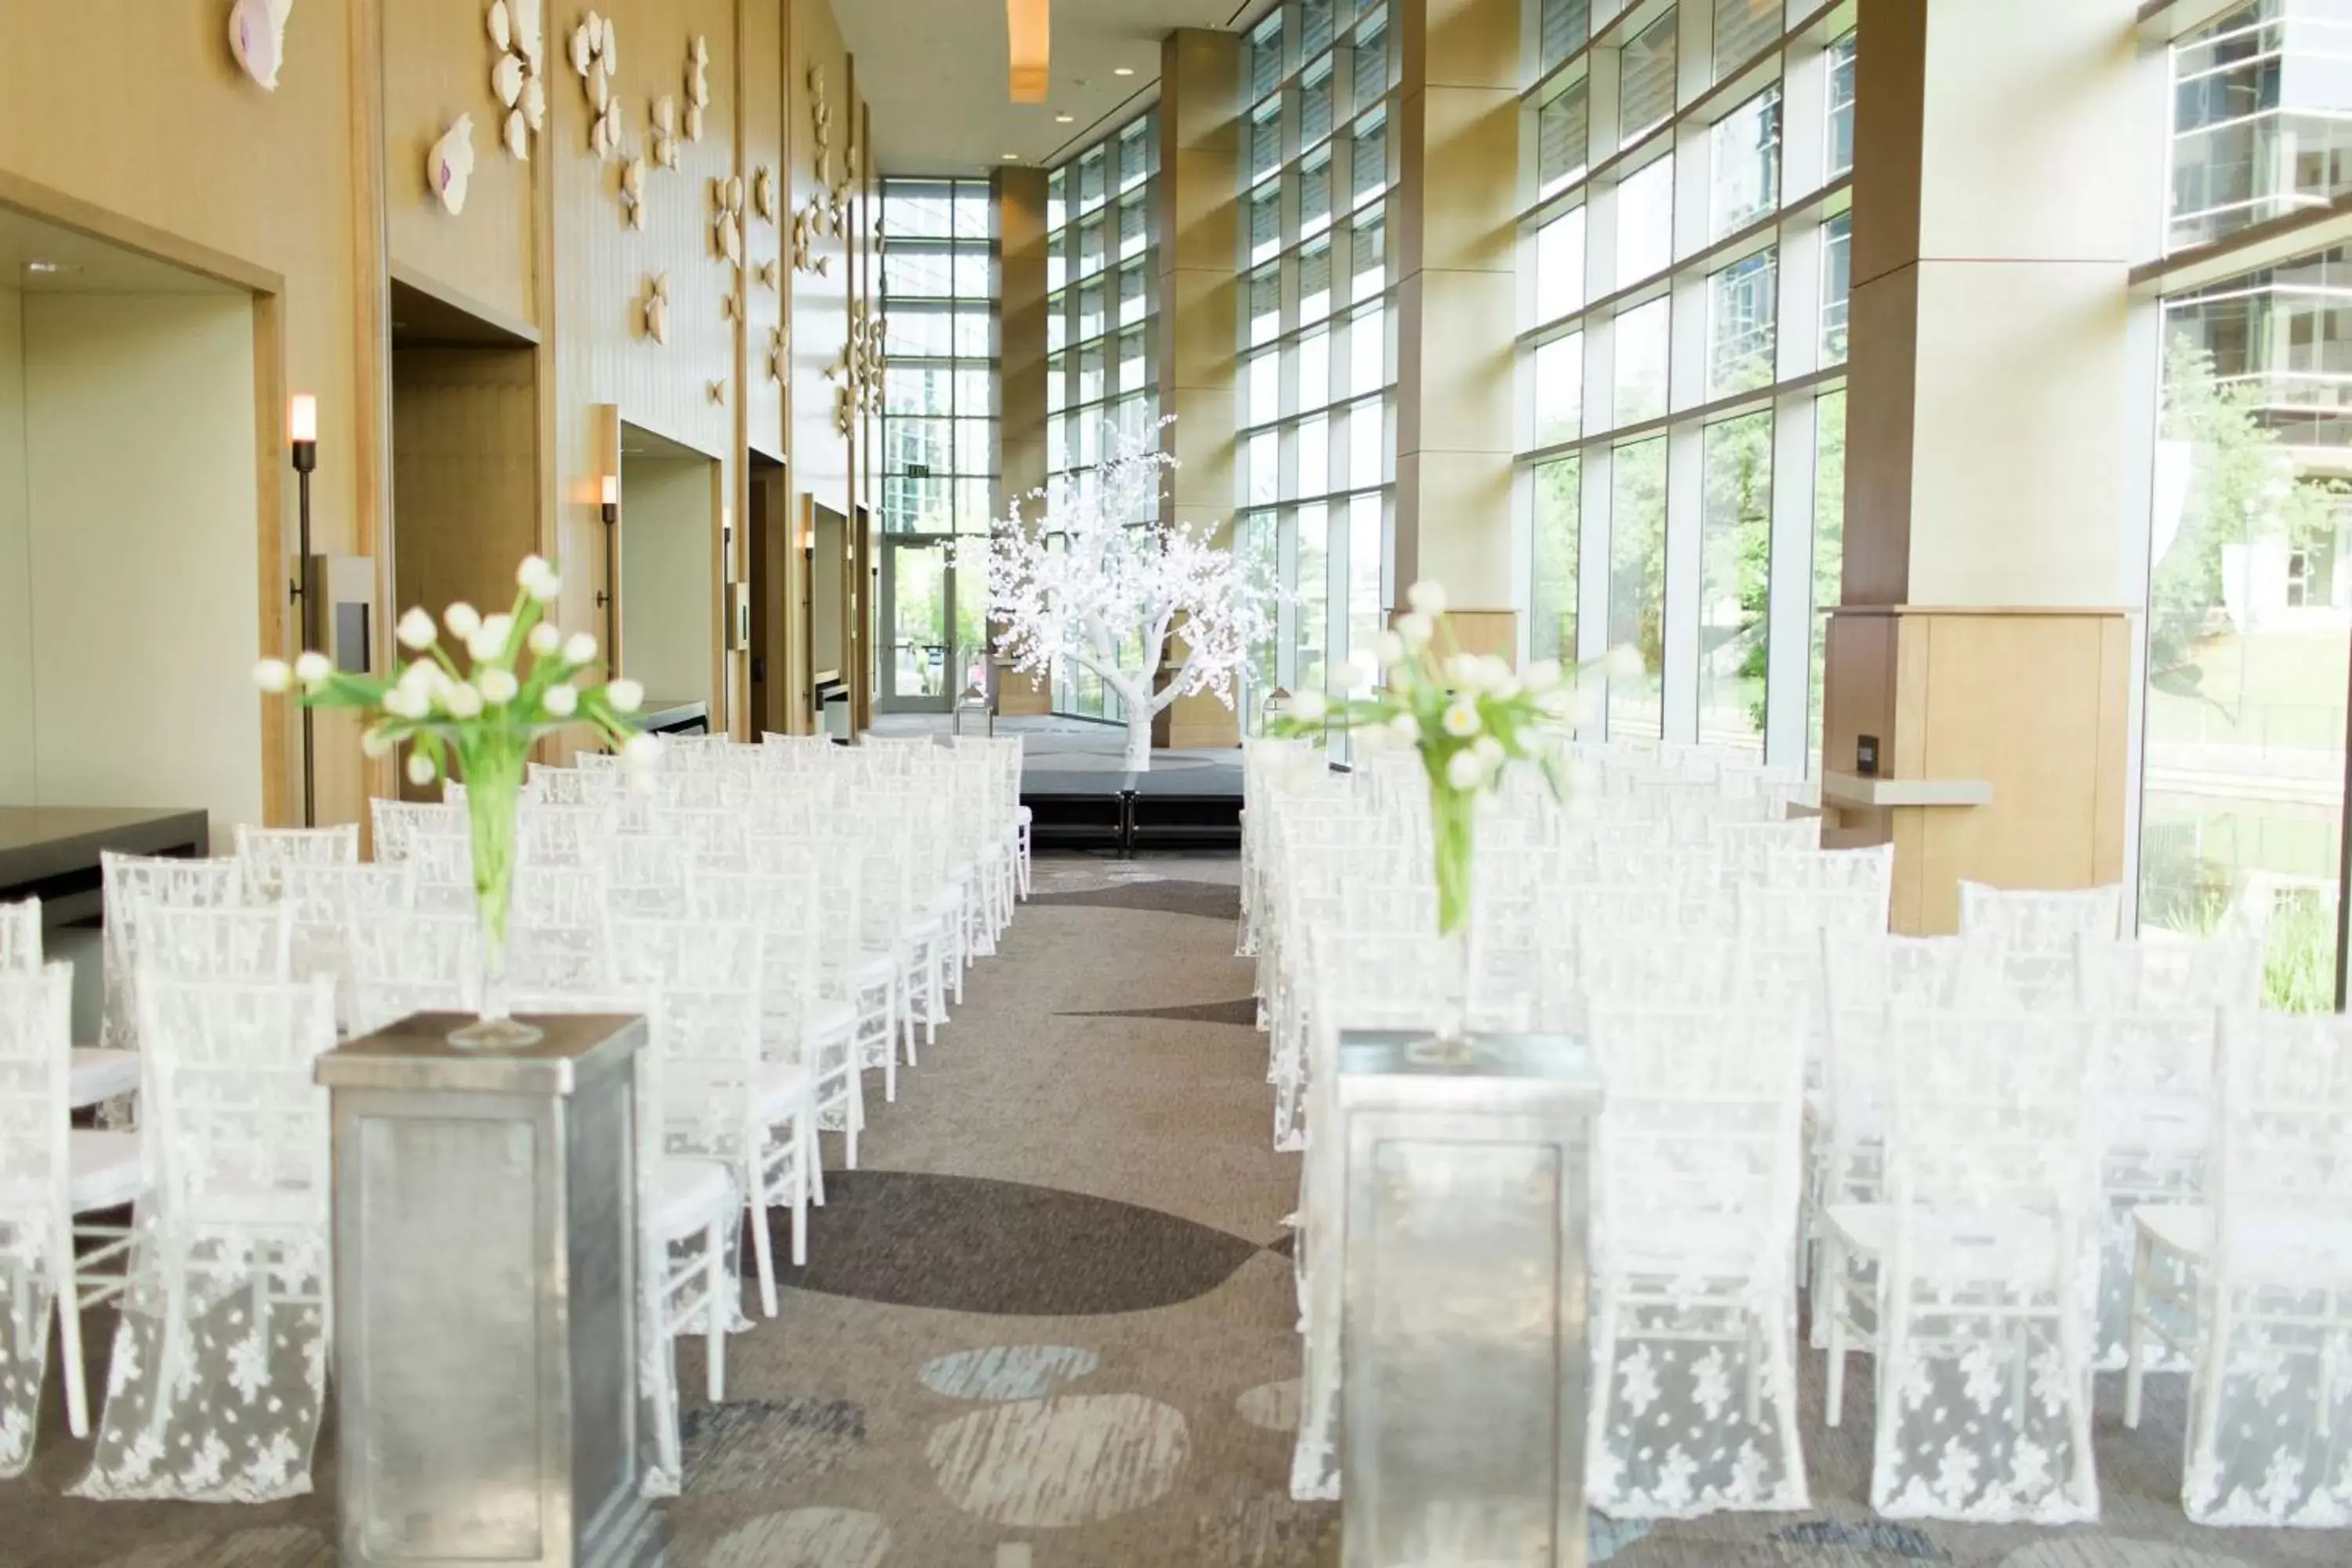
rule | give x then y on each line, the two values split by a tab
1452	822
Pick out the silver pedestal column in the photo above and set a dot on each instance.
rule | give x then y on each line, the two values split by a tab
1463	1324
486	1298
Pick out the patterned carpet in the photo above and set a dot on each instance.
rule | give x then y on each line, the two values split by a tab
1050	1325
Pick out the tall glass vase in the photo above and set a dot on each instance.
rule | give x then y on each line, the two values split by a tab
493	796
1452	841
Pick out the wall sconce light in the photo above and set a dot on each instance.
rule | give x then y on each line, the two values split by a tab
808	541
607	597
302	439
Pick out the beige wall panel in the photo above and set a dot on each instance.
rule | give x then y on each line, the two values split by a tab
1997	110
144	598
1203	429
1495	632
465	468
1021	328
438	57
18	775
1196	328
2030	362
1881	378
1458	151
1198	207
1461	43
1454	350
819	302
158	131
667	569
764	240
1446	529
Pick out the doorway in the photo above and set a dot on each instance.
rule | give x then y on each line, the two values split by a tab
669	622
934	642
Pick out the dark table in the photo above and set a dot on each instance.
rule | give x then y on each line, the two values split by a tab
50	852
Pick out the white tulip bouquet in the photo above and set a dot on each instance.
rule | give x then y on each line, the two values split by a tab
1469	715
525	679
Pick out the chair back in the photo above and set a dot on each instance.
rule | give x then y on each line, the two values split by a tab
413	961
35	1155
2037	921
20	937
266	852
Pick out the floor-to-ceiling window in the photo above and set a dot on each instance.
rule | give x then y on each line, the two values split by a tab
2250	585
1318	370
939	434
1683	270
1102	367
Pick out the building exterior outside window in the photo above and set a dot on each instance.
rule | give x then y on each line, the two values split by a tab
2249	624
1102	329
1682	277
1317	443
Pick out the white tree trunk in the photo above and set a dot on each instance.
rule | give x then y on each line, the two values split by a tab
1139	738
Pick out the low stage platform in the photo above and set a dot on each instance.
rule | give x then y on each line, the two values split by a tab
1082	797
51	852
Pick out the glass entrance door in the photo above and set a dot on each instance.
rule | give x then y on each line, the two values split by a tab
919	655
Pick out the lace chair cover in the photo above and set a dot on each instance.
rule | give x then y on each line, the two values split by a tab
399	824
411	961
2155	975
194	943
441	873
705	789
555	936
1864	974
596	762
220	1355
20	937
1747	849
35	1220
2154	1074
713	835
266	852
645	875
1694	1307
129	881
2035	920
322	901
549	835
2270	1438
1988	1284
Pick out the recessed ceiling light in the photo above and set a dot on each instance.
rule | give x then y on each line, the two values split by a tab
1012	157
1122	71
47	268
1064	119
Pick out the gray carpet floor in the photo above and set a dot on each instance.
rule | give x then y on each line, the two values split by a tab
1050	1324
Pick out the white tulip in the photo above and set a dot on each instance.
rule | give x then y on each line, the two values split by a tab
462	700
624	696
1363	669
538	579
640	752
489	639
1544	675
545	639
1490	749
1465	770
1406	728
416	630
1390	649
1624	661
1466	672
462	619
312	667
560	701
1308	706
498	687
375	744
579	648
406	703
1461	719
420	768
273	675
1413	629
1427	597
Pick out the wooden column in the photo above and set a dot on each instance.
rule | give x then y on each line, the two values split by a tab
1020	381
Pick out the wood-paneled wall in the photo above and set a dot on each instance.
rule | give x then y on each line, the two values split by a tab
132	122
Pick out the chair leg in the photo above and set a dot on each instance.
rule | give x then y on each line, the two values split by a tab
900	1016
68	1294
714	1313
813	1153
800	1205
856	1123
763	1246
1833	1304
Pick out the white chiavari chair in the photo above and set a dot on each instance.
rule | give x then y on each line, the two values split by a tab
266	852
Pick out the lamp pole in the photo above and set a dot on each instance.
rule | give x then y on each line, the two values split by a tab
609	600
303	431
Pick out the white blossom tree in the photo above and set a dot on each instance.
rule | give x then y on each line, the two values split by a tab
1091	575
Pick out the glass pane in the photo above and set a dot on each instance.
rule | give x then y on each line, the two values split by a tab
1264	305
1314	457
1829	547
1265	220
1563	27
1645	222
1314	370
1743	28
1265	139
1367	444
1314	282
1559	509
1368	352
1559	266
1641	353
1841	152
1735	569
1746	176
919	621
1637	586
1315	195
1740	302
1365	524
1261	383
1645	92
1837	278
1315	103
1314	591
1314	27
1559	389
1563	140
1367	256
1372	64
1368	165
2250	618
